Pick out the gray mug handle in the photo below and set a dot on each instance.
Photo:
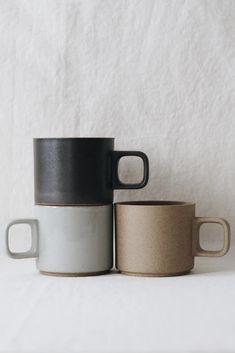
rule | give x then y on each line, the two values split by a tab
33	251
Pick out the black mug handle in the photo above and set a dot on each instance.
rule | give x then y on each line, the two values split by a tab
116	182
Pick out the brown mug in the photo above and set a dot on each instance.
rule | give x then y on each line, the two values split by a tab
161	238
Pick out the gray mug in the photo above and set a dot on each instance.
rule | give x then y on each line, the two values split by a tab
69	241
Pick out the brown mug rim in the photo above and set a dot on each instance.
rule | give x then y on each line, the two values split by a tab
155	203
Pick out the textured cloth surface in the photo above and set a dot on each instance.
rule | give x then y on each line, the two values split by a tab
160	77
157	75
117	313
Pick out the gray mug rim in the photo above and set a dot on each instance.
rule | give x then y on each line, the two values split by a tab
75	205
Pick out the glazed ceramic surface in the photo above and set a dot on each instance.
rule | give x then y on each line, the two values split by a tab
70	240
160	238
71	171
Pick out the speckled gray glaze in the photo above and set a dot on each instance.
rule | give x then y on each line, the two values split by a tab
70	240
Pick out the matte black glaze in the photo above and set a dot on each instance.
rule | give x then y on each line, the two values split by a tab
69	171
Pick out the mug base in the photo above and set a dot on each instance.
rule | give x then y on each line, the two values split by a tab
74	274
140	274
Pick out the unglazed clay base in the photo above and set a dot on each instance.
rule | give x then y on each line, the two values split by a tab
75	274
155	274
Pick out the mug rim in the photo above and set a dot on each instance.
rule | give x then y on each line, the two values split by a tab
155	203
74	206
74	138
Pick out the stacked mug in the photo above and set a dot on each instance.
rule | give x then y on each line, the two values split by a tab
72	234
74	179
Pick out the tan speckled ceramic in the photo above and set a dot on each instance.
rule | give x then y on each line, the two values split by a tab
160	238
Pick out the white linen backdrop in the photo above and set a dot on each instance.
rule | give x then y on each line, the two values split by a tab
157	75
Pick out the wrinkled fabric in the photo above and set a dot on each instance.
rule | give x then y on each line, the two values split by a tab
157	75
160	77
116	313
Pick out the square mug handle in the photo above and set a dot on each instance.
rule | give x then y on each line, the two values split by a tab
116	182
197	249
33	251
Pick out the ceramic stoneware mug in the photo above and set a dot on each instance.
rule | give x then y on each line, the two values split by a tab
161	238
71	171
69	241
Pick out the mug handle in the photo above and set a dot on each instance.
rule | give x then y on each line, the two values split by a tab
116	182
33	251
197	249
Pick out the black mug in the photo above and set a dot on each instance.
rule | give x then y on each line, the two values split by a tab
71	171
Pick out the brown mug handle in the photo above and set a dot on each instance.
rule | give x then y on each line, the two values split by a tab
197	249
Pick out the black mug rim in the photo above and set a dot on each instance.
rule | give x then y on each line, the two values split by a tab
72	138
